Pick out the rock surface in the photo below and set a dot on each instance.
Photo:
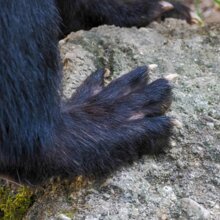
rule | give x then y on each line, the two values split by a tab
183	183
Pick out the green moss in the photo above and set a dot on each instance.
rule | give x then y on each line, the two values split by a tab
14	203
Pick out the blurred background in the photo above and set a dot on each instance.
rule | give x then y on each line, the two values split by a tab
207	10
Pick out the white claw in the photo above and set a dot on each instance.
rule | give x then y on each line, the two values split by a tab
166	6
171	77
195	19
177	123
107	73
152	66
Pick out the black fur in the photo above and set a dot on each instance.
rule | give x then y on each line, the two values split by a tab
99	128
179	11
85	14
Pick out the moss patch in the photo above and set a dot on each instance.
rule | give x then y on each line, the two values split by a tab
14	203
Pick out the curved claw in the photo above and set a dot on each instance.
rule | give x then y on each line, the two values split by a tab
195	19
152	66
166	6
107	73
177	123
171	77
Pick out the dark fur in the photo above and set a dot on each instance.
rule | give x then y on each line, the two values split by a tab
85	14
99	128
180	11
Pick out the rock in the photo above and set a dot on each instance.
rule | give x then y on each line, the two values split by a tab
152	187
193	210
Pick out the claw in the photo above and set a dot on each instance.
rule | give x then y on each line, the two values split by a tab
107	73
177	123
152	66
171	77
195	19
166	6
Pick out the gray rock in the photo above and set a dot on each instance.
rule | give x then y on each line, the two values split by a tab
153	187
193	210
